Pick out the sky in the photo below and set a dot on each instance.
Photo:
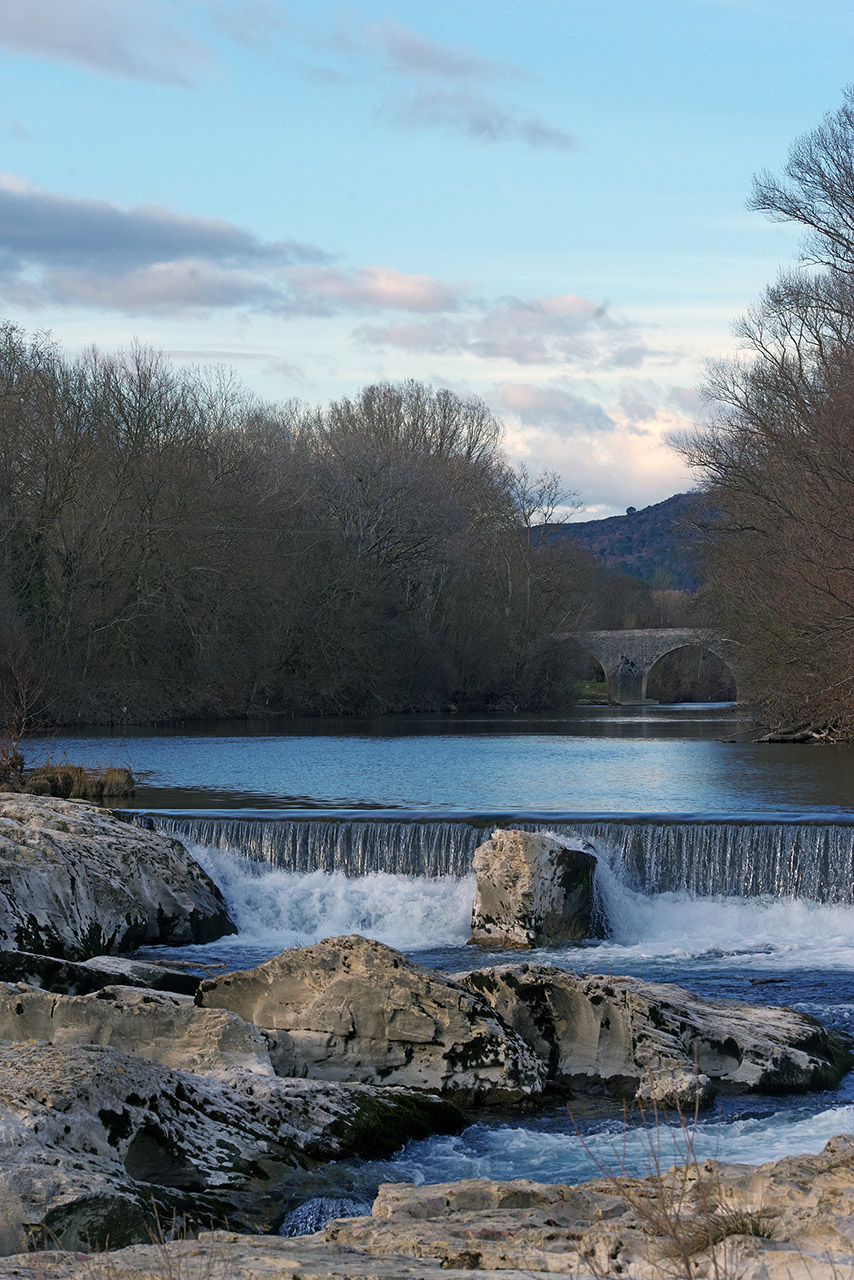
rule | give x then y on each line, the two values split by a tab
539	203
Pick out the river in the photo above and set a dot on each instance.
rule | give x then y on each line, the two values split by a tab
723	865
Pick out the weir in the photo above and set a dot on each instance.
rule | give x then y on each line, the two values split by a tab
731	858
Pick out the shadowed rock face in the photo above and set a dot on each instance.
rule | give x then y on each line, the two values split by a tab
79	978
75	881
533	890
92	1136
353	1009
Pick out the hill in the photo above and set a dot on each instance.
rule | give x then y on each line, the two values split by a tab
654	544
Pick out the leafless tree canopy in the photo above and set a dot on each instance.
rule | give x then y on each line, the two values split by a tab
172	546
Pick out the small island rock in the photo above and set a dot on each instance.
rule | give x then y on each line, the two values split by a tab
533	890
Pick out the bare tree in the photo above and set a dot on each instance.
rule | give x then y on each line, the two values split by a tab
777	465
817	189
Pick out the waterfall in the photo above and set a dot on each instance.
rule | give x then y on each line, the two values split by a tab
352	846
732	858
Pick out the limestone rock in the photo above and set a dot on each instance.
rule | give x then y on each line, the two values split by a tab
792	1219
76	881
90	1136
157	1026
533	890
353	1009
655	1043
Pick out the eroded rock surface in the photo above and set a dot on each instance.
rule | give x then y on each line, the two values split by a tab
157	1026
90	1136
655	1043
76	881
533	890
792	1219
353	1009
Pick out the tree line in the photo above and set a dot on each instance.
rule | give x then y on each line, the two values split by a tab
172	546
776	457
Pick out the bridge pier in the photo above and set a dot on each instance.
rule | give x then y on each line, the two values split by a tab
629	686
627	682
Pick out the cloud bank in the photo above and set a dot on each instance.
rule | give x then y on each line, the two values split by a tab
562	329
73	252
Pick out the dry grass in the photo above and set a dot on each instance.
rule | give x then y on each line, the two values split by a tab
76	782
11	764
701	1233
680	1205
173	1253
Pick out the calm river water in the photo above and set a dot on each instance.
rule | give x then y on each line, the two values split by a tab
767	938
667	759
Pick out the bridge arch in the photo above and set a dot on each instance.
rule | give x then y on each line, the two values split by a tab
627	657
691	673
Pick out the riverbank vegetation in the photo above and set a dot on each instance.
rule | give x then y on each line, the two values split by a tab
171	546
776	458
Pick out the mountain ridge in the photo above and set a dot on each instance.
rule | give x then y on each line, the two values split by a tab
655	543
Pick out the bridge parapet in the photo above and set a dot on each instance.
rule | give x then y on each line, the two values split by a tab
627	657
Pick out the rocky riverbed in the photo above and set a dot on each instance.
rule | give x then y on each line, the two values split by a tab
792	1219
129	1091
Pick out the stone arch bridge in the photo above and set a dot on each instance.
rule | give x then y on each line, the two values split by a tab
627	657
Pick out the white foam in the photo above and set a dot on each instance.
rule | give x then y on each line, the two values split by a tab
764	933
274	909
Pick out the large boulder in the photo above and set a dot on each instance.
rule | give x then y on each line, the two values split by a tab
353	1009
76	881
533	890
656	1043
94	1142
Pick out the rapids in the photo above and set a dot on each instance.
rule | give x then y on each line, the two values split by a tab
779	949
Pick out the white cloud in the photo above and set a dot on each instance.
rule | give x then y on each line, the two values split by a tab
561	329
375	287
563	412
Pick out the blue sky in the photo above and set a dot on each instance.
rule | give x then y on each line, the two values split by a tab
540	203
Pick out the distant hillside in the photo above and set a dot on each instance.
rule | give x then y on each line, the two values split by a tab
654	544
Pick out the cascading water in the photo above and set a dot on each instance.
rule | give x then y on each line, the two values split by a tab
729	859
751	910
275	908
